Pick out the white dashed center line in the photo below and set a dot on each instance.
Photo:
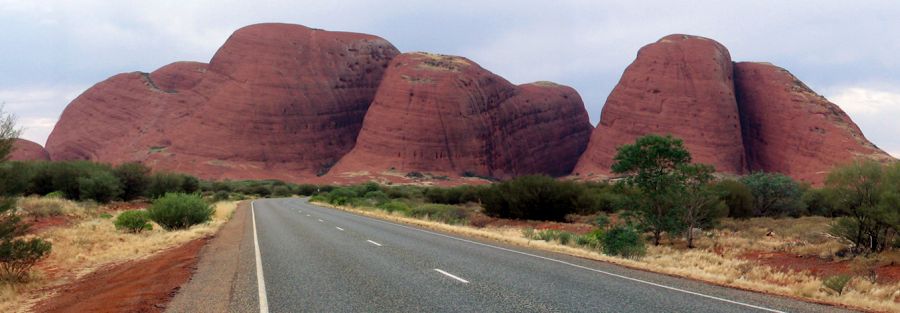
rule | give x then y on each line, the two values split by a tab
338	228
452	276
307	215
320	221
374	243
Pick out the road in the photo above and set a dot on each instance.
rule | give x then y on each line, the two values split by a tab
316	259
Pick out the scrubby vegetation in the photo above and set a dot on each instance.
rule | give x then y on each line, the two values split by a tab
180	211
134	221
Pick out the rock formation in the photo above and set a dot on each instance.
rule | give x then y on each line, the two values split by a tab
681	85
445	114
790	129
739	117
276	101
26	150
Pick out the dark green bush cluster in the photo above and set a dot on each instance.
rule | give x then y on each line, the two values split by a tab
453	195
134	221
180	211
623	241
83	180
531	197
258	188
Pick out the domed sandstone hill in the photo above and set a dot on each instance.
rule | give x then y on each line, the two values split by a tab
680	85
26	150
447	115
276	101
790	129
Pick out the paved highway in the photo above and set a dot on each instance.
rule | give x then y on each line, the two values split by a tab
316	259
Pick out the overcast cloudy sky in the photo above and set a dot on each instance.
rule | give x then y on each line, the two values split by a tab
849	51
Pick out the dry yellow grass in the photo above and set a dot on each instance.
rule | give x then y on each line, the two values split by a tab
92	243
704	263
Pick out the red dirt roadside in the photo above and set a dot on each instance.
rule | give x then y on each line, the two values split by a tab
137	286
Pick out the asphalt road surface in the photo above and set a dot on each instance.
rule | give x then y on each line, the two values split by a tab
316	259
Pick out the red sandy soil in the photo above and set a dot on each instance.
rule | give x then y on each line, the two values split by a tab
819	267
136	286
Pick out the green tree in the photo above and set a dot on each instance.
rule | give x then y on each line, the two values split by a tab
774	194
651	164
8	133
869	194
701	201
737	197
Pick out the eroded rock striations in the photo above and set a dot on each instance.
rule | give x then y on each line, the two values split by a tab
276	101
680	85
739	117
445	114
790	129
26	150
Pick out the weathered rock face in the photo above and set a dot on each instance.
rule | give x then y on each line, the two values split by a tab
790	129
276	101
681	85
26	150
445	114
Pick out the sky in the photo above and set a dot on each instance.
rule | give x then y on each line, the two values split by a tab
51	51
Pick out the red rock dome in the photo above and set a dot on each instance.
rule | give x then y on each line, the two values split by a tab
276	101
26	150
681	85
445	114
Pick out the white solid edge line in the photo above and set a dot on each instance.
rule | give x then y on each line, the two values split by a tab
582	267
374	243
452	276
260	279
338	228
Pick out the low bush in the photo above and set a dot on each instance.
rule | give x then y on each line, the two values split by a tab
836	282
449	214
18	256
394	205
133	221
180	211
623	241
221	195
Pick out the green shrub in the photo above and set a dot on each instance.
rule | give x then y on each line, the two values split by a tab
221	195
55	195
17	255
449	214
836	282
591	240
774	194
737	197
528	232
102	187
394	205
180	211
565	237
625	242
530	197
281	191
133	221
134	178
547	235
306	190
105	216
162	183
